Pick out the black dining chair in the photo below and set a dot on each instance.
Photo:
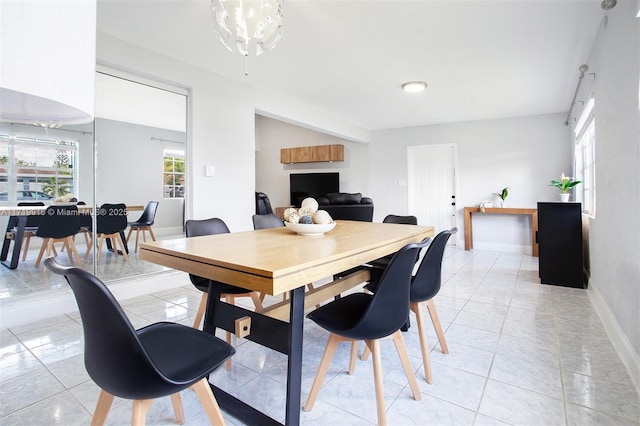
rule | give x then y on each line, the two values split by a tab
213	226
59	224
111	221
158	360
425	285
33	221
263	205
266	221
370	317
144	223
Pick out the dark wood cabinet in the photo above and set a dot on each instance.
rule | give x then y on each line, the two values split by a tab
560	244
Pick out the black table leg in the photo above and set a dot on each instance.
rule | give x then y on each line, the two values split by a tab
19	222
124	241
284	337
294	368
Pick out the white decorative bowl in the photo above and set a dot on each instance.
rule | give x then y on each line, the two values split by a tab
310	228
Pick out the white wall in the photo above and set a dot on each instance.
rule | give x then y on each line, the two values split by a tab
522	153
615	230
272	177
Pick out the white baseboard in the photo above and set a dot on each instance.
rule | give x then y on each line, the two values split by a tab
506	248
16	311
621	343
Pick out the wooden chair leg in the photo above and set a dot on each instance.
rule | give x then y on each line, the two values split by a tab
140	408
325	362
255	297
45	244
118	239
153	237
208	401
424	346
406	364
99	247
129	233
177	407
201	308
354	355
137	236
25	247
102	409
431	307
365	353
89	245
374	346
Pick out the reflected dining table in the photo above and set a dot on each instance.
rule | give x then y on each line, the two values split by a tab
16	227
275	261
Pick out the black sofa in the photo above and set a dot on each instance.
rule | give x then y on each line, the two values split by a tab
343	206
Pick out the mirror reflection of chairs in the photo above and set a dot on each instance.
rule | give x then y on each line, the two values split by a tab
33	221
59	224
144	223
111	220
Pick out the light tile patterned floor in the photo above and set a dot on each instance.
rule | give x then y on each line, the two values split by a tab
521	353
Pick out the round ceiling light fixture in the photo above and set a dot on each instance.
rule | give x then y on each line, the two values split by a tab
414	86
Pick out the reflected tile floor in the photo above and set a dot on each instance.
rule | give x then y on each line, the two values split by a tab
521	353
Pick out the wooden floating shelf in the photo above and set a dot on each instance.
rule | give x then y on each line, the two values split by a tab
312	154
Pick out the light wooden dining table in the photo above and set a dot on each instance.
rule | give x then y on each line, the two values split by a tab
16	227
276	261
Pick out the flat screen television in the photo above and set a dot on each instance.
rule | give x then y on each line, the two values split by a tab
316	185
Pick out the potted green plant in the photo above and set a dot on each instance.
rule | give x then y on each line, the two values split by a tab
502	195
565	184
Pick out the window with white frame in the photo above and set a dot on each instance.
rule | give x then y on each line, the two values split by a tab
585	135
174	174
36	169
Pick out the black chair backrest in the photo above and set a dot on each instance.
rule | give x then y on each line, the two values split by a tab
59	222
200	227
149	214
213	226
111	218
113	355
427	280
33	221
265	221
389	307
263	205
405	220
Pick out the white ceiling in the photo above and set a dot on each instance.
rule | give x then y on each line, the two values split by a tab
481	59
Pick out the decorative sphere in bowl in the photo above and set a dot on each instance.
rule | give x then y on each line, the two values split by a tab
310	228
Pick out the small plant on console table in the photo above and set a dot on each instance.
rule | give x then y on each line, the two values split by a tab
502	195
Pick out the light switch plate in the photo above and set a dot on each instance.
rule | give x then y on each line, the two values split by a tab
209	171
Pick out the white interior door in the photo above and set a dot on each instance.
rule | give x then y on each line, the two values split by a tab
431	185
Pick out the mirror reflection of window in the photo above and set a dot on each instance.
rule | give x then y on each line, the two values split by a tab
174	174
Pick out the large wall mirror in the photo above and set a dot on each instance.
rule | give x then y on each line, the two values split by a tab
133	153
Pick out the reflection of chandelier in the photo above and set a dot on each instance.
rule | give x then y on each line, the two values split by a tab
245	23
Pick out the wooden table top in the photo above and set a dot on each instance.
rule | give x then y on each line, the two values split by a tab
277	260
40	210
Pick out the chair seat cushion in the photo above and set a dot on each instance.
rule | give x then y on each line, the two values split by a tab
341	315
183	354
202	284
139	224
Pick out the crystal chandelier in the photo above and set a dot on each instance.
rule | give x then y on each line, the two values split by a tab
249	25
